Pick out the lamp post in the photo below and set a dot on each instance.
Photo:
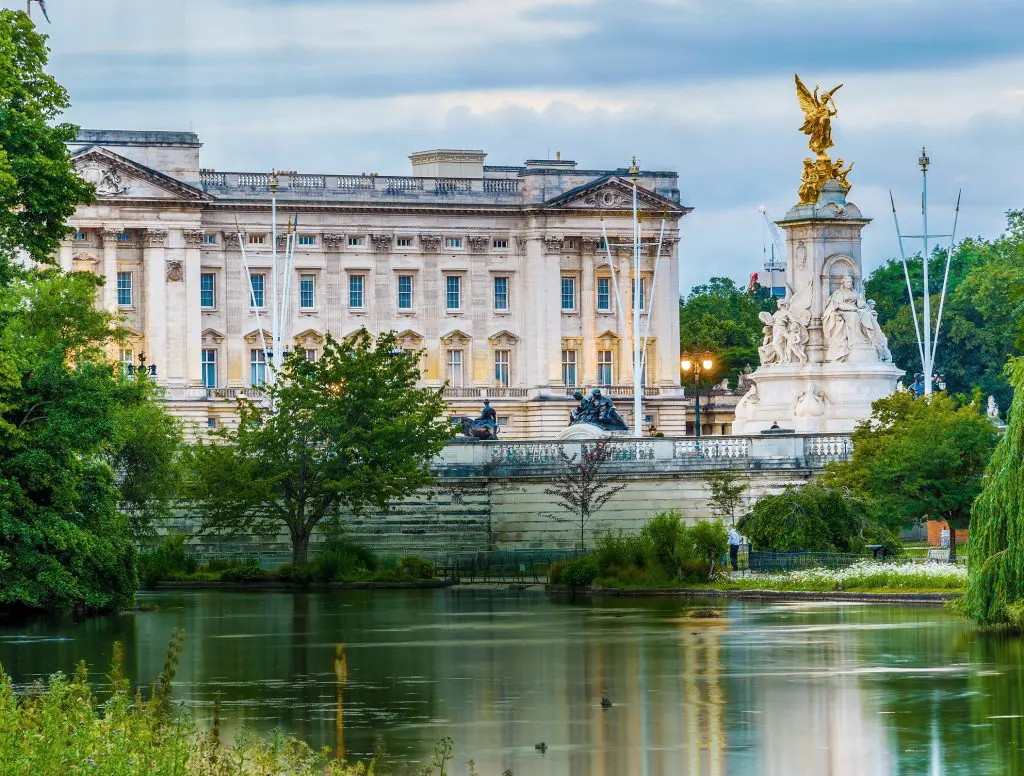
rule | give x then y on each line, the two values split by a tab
696	366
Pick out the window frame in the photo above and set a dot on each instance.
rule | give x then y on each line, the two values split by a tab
130	288
570	364
212	290
258	297
607	281
307	240
502	367
257	367
571	280
403	242
606	364
454	357
208	366
256	239
453	243
303	278
448	279
499	245
399	292
361	291
496	294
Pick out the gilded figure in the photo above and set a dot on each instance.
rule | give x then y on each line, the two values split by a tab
818	112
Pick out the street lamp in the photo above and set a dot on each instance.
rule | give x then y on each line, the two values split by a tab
696	366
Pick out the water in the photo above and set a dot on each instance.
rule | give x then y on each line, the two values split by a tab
807	688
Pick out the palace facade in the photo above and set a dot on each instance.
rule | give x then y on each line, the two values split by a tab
498	273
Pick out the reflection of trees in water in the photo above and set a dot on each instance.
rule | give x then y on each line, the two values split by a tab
703	698
997	701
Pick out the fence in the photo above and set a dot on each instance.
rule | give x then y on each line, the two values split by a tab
778	562
501	565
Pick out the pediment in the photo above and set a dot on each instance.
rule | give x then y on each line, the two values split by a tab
212	336
608	335
409	339
254	338
309	338
613	193
456	337
116	177
503	337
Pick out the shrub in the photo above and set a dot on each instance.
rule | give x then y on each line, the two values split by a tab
555	570
706	542
416	567
340	561
289	572
580	572
661	535
811	518
247	570
619	551
168	560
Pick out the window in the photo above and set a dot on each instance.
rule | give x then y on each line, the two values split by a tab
256	239
503	420
209	367
124	289
501	358
501	293
404	242
453	368
207	290
568	293
81	235
307	292
310	354
453	288
500	244
572	244
355	240
127	359
643	292
453	242
258	281
211	423
569	367
605	366
124	236
209	239
307	239
257	367
604	294
405	292
355	291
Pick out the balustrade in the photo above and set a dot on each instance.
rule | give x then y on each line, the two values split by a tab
501	186
355	182
453	185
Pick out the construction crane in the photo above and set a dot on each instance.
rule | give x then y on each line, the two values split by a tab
774	257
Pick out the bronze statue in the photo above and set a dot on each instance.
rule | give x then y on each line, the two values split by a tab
598	410
483	427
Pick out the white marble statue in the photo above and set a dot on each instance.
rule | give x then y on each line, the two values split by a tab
848	321
785	332
993	409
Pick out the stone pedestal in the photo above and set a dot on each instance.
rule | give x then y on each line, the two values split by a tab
586	432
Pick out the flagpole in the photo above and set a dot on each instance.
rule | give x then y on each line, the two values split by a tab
638	387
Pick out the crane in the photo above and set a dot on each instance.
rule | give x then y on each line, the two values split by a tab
775	261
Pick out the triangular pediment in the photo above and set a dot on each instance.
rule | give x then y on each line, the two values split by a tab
116	177
613	193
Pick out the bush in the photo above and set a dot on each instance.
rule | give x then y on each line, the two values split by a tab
811	518
167	561
247	570
555	569
416	567
580	572
619	551
706	542
661	536
341	561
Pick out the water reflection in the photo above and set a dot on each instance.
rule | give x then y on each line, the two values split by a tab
769	689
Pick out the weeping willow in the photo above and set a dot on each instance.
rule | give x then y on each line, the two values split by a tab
996	562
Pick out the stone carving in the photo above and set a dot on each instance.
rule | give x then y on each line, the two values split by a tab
850	321
597	410
381	242
231	239
521	244
801	255
993	409
744	383
175	271
106	179
785	332
608	198
333	240
193	237
478	243
589	244
282	241
811	403
430	243
154	238
109	236
553	244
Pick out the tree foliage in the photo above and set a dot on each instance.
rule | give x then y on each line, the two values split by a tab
996	562
580	486
351	430
726	494
720	319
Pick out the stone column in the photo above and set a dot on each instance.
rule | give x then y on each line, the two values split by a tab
234	295
333	289
66	255
588	310
623	370
109	295
666	315
154	306
193	307
377	286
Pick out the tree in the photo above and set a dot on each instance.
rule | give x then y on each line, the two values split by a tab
580	486
996	563
914	458
39	189
812	518
351	430
719	318
727	489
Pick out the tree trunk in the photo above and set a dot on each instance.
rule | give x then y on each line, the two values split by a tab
952	541
300	547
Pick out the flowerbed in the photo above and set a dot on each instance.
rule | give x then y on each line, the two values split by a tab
866	575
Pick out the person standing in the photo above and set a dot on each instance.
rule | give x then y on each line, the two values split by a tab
735	540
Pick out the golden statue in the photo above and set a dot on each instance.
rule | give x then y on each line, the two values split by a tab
818	112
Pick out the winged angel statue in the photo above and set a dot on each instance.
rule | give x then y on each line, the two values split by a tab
785	332
818	112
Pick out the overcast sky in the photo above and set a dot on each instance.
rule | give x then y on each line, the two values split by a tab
704	87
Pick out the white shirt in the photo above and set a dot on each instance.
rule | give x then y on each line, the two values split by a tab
734	538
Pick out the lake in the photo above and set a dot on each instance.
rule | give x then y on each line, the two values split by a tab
772	688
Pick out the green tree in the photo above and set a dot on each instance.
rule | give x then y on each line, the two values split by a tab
996	563
39	190
350	430
915	458
720	319
812	518
726	494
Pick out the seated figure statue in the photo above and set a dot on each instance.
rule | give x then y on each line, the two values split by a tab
483	427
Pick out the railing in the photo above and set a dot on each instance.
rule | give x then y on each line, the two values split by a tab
778	562
453	185
501	186
355	182
829	448
400	183
615	390
254	394
712	448
324	185
211	178
521	566
253	180
498	392
308	182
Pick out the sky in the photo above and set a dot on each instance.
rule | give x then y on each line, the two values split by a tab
703	87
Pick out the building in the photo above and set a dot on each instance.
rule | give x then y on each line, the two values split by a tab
500	274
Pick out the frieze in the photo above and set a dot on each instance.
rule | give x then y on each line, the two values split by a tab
154	238
382	242
175	271
430	243
105	178
478	243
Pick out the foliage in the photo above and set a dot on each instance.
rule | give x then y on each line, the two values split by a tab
997	524
580	487
708	541
168	560
351	430
579	572
862	576
727	489
914	457
39	190
720	319
983	318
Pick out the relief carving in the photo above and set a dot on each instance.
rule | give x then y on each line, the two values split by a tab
430	243
193	237
175	271
154	238
381	242
478	243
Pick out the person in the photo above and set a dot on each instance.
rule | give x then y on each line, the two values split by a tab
734	547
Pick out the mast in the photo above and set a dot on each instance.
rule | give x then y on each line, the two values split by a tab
638	378
275	317
927	312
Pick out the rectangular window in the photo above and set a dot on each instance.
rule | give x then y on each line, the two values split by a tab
453	242
569	367
500	244
642	290
127	359
405	292
503	420
568	293
453	289
453	368
124	236
355	240
501	293
257	367
604	294
404	242
81	235
258	281
207	290
307	239
209	239
256	239
124	289
501	374
355	291
209	367
605	367
307	292
211	423
310	354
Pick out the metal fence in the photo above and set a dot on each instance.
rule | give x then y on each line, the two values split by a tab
777	562
501	565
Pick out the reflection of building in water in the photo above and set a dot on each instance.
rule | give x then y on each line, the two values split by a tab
703	699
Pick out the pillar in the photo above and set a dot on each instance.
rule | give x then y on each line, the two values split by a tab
154	308
586	357
193	239
66	256
109	268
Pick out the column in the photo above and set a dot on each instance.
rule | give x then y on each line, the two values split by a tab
624	357
109	269
154	307
193	239
587	353
234	295
665	326
66	255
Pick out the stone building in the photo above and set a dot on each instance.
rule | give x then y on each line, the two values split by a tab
498	273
